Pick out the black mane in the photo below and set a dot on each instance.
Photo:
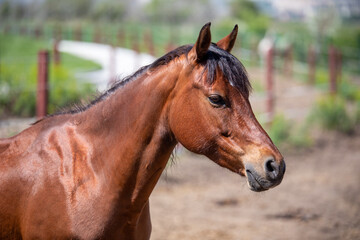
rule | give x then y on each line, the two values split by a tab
216	58
231	68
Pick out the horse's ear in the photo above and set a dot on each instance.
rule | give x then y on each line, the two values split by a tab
202	44
227	43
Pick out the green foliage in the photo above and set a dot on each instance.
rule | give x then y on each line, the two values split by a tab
331	113
18	78
348	35
257	86
60	10
284	132
5	9
346	89
349	91
247	11
280	129
322	76
18	94
357	113
109	10
19	48
75	64
300	135
15	92
65	89
169	11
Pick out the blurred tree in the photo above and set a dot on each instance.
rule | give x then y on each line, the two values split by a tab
5	9
248	12
19	11
110	10
324	23
171	11
67	9
175	12
348	36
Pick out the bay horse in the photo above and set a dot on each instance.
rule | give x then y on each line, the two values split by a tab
88	173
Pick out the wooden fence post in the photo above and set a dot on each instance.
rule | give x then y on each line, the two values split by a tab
121	37
38	32
57	32
42	87
148	38
78	33
270	83
22	30
332	70
311	57
288	64
338	65
253	49
135	43
7	29
97	35
56	52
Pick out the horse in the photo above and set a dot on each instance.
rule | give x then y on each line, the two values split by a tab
88	172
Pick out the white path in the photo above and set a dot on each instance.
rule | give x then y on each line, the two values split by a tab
121	64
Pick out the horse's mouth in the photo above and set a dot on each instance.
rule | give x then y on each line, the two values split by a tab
256	184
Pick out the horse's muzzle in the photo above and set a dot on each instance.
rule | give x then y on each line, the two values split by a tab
271	177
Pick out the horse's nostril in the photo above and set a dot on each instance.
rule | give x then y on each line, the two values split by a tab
268	165
271	168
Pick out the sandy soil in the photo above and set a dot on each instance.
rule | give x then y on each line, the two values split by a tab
319	198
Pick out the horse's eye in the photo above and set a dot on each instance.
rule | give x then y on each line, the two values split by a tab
216	100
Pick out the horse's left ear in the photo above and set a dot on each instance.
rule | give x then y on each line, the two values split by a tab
227	43
202	44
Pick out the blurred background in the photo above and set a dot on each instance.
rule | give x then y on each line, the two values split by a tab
303	60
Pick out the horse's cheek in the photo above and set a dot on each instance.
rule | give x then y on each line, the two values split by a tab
186	127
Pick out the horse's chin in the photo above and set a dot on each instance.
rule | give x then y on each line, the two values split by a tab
254	184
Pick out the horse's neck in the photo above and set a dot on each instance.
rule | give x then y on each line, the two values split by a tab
130	136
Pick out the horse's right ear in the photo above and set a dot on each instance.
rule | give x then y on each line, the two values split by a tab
227	43
202	44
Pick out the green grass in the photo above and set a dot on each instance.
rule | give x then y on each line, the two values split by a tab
18	77
286	133
75	64
22	51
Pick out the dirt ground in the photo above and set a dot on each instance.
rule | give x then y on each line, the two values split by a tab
319	197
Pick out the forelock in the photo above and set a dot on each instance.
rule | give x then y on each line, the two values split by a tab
230	67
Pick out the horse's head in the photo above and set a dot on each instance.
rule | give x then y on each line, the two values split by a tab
210	113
